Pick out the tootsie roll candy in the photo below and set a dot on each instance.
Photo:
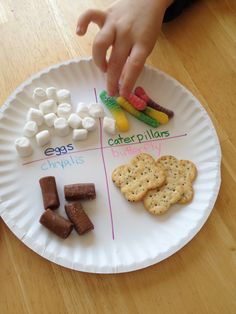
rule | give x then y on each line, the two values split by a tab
56	223
79	218
79	191
49	192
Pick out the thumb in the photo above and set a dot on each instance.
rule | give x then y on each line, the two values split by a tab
91	15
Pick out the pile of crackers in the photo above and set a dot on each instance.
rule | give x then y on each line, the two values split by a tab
157	183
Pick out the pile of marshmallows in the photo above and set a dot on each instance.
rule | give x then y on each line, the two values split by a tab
55	111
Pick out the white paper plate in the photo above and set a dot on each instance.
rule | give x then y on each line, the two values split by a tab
126	237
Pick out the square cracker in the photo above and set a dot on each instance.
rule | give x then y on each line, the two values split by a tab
182	172
158	201
138	177
178	188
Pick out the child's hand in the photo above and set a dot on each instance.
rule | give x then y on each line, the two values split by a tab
131	27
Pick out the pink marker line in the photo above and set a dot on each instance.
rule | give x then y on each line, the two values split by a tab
103	147
58	156
105	171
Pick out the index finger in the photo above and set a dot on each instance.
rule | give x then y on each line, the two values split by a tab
133	68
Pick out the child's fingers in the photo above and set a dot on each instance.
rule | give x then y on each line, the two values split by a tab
133	68
123	72
96	16
119	55
103	40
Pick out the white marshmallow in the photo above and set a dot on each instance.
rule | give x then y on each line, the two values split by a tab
61	127
51	93
43	137
23	146
96	110
63	95
75	121
82	110
35	115
79	134
89	123
39	95
109	125
64	110
50	118
30	129
48	106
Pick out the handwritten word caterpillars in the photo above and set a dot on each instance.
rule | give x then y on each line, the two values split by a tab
70	161
138	138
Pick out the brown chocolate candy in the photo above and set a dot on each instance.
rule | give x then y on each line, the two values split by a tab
49	192
79	191
77	215
56	223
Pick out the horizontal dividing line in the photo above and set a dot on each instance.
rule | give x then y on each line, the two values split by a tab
58	156
103	147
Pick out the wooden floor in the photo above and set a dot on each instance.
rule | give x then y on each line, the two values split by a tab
199	50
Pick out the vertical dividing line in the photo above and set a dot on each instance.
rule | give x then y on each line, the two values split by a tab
105	171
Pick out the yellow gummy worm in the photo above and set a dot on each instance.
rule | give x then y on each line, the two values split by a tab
158	115
116	111
136	113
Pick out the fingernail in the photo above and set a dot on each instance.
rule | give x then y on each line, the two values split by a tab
78	30
111	93
104	68
123	92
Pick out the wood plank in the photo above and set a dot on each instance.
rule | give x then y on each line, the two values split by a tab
12	299
199	50
36	278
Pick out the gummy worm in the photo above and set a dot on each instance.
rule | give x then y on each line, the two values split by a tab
116	111
157	115
137	114
140	92
137	102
